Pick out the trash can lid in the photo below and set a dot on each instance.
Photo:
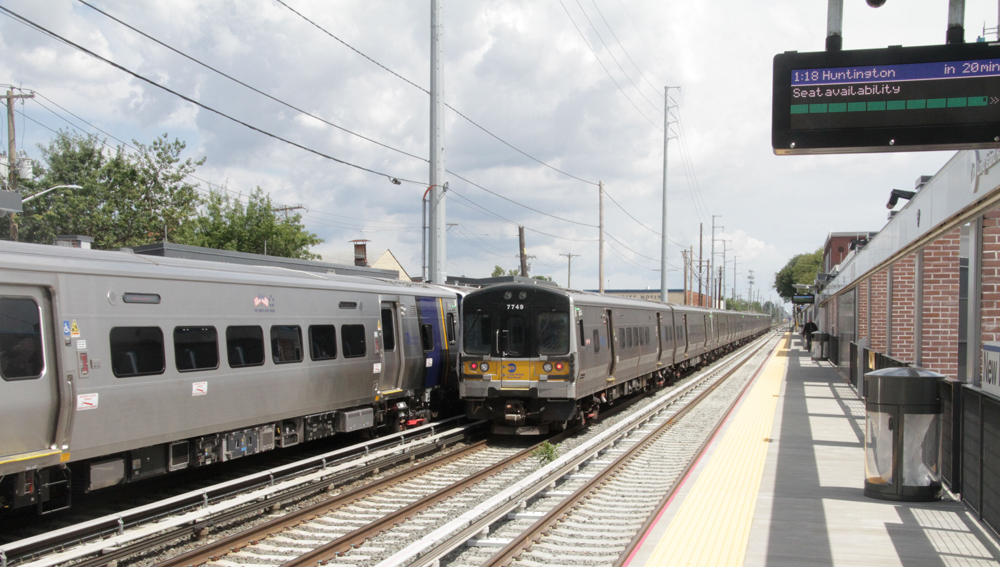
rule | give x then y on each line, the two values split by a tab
908	386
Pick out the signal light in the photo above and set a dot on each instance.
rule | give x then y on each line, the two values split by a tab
559	366
474	366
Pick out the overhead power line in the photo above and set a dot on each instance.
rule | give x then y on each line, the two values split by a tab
610	76
200	104
426	91
612	55
275	99
251	87
625	51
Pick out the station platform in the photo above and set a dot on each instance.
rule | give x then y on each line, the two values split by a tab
782	484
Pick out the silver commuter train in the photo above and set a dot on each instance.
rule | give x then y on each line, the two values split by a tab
116	367
535	357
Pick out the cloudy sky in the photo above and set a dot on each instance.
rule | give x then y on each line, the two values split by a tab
575	84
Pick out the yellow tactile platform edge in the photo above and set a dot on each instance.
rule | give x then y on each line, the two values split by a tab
712	526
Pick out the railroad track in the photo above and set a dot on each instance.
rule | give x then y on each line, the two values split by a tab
436	509
118	536
587	507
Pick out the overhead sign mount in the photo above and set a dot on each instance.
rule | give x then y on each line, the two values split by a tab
944	97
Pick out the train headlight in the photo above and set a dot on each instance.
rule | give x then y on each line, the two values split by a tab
559	366
547	367
485	366
507	295
522	295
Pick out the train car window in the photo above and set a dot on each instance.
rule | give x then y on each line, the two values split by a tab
352	338
245	346
21	355
597	341
647	335
628	337
196	348
322	342
388	330
427	337
478	333
137	351
452	331
553	333
515	335
286	343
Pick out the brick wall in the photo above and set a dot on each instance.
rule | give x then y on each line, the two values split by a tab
991	277
904	295
940	309
879	300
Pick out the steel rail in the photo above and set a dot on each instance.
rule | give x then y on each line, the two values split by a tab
77	535
546	522
430	554
549	520
672	491
213	551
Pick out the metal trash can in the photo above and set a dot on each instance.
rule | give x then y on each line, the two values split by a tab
819	346
903	434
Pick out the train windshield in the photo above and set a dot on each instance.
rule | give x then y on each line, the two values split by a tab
478	333
553	333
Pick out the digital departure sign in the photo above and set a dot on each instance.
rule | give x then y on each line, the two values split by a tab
803	299
943	97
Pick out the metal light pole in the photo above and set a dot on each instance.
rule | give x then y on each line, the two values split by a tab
436	256
13	219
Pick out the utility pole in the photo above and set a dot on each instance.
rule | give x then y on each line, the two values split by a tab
524	257
600	239
735	261
569	268
750	292
690	257
715	300
437	254
664	288
684	254
701	243
285	210
13	167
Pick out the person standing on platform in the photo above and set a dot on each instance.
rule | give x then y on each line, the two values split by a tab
807	330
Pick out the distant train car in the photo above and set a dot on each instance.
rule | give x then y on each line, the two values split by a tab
116	367
536	357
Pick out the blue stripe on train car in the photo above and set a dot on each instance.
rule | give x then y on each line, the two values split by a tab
429	311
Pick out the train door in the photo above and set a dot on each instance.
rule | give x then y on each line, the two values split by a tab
659	337
687	335
29	398
392	351
612	343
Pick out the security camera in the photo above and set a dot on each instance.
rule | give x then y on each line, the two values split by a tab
875	3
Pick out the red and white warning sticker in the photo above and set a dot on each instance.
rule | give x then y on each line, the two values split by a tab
199	389
86	401
377	368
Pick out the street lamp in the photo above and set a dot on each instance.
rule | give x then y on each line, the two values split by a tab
13	223
39	194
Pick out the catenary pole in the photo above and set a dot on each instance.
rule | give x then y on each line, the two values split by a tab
437	219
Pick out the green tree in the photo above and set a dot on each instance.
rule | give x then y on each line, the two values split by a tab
801	269
257	228
499	272
128	198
